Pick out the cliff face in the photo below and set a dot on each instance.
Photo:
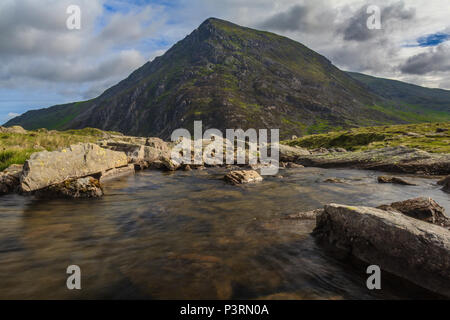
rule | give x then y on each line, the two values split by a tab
229	77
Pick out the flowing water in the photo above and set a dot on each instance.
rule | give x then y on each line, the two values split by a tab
188	235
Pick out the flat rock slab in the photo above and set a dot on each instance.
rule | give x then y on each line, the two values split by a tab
392	159
48	168
409	248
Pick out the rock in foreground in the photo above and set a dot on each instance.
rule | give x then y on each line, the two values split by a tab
45	168
409	248
242	176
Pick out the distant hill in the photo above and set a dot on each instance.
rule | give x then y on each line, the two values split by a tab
406	93
230	76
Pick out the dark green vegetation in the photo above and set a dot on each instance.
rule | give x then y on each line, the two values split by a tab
431	137
234	77
16	148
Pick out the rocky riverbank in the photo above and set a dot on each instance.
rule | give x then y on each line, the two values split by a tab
56	173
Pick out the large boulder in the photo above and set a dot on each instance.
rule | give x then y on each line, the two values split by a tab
48	168
87	187
242	176
409	248
10	179
425	209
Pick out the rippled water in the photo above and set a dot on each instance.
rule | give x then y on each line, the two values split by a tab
188	235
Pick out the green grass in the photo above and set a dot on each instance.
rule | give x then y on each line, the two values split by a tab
16	148
367	138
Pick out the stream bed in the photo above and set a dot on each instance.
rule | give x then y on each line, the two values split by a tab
188	235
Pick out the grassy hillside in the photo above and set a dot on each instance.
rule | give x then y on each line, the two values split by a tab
431	137
16	148
407	101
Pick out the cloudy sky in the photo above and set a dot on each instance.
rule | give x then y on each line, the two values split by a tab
44	63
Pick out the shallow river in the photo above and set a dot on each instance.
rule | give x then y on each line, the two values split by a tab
188	235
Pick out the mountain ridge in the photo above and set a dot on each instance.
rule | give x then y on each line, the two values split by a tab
229	76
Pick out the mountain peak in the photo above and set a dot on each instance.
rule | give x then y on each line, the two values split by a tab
228	76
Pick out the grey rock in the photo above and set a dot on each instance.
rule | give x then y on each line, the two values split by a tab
48	168
10	179
288	153
409	248
115	173
13	129
87	187
394	180
445	182
242	177
425	209
392	159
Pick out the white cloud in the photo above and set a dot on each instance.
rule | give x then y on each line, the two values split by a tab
39	53
13	114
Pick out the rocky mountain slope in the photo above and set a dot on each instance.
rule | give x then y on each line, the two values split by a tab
230	76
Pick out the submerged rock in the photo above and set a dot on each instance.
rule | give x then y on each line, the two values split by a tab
307	215
87	187
409	248
445	182
333	180
242	176
425	209
49	168
395	180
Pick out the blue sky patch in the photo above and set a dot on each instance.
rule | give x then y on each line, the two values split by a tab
432	39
